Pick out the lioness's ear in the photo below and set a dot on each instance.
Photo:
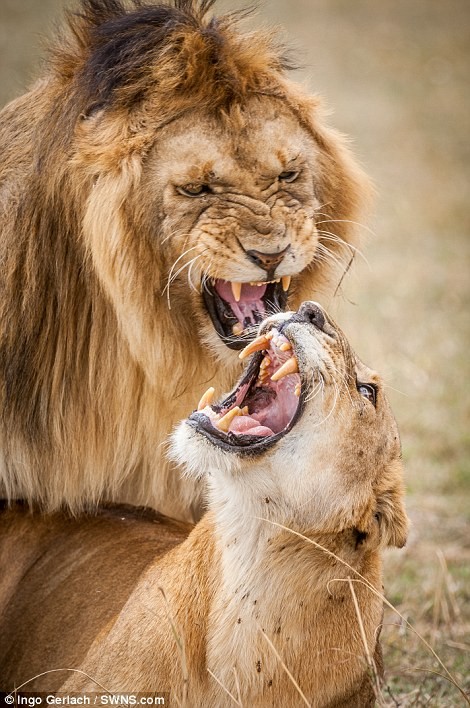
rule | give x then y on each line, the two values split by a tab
391	511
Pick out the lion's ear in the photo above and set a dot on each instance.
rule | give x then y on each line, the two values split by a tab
391	513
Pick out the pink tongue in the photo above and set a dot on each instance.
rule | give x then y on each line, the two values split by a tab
249	303
250	293
245	424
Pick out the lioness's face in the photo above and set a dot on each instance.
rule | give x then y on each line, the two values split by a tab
308	426
237	208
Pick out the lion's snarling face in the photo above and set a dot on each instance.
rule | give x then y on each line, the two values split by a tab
213	173
238	212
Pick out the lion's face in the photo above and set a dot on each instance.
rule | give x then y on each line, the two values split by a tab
211	185
237	213
308	425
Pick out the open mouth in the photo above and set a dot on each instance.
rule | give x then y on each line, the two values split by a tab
236	308
264	405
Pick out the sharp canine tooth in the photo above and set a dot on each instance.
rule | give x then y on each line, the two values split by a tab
297	390
285	347
206	399
237	329
290	367
245	410
256	345
237	291
224	423
286	282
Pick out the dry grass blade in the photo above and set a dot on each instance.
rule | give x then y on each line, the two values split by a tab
224	688
458	645
345	272
437	604
369	658
360	578
448	584
291	678
54	671
424	670
237	684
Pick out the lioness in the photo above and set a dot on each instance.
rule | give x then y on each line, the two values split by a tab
162	188
303	467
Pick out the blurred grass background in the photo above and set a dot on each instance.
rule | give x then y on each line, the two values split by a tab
397	74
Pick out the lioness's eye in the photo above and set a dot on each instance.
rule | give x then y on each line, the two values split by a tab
368	391
289	176
193	190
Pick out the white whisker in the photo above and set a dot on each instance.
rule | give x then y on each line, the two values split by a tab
343	380
175	234
337	393
327	254
190	282
345	221
329	236
172	276
205	276
182	255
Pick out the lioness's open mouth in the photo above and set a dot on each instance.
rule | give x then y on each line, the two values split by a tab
235	308
264	405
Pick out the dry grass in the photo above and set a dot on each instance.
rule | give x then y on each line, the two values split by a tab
396	72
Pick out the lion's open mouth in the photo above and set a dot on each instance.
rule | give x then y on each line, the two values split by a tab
236	308
263	406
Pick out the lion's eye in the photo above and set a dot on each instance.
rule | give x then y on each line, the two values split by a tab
193	190
369	391
289	176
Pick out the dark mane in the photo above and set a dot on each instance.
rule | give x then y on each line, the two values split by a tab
123	52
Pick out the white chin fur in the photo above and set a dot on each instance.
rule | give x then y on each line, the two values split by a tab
197	455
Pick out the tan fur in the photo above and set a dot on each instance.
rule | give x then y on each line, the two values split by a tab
95	366
211	602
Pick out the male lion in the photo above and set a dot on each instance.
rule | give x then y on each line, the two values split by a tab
162	188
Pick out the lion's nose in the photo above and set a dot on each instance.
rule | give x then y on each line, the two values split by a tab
267	261
311	313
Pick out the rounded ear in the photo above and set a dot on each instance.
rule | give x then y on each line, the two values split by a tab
368	537
391	513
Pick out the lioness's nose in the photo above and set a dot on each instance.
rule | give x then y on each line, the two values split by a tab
267	261
311	313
